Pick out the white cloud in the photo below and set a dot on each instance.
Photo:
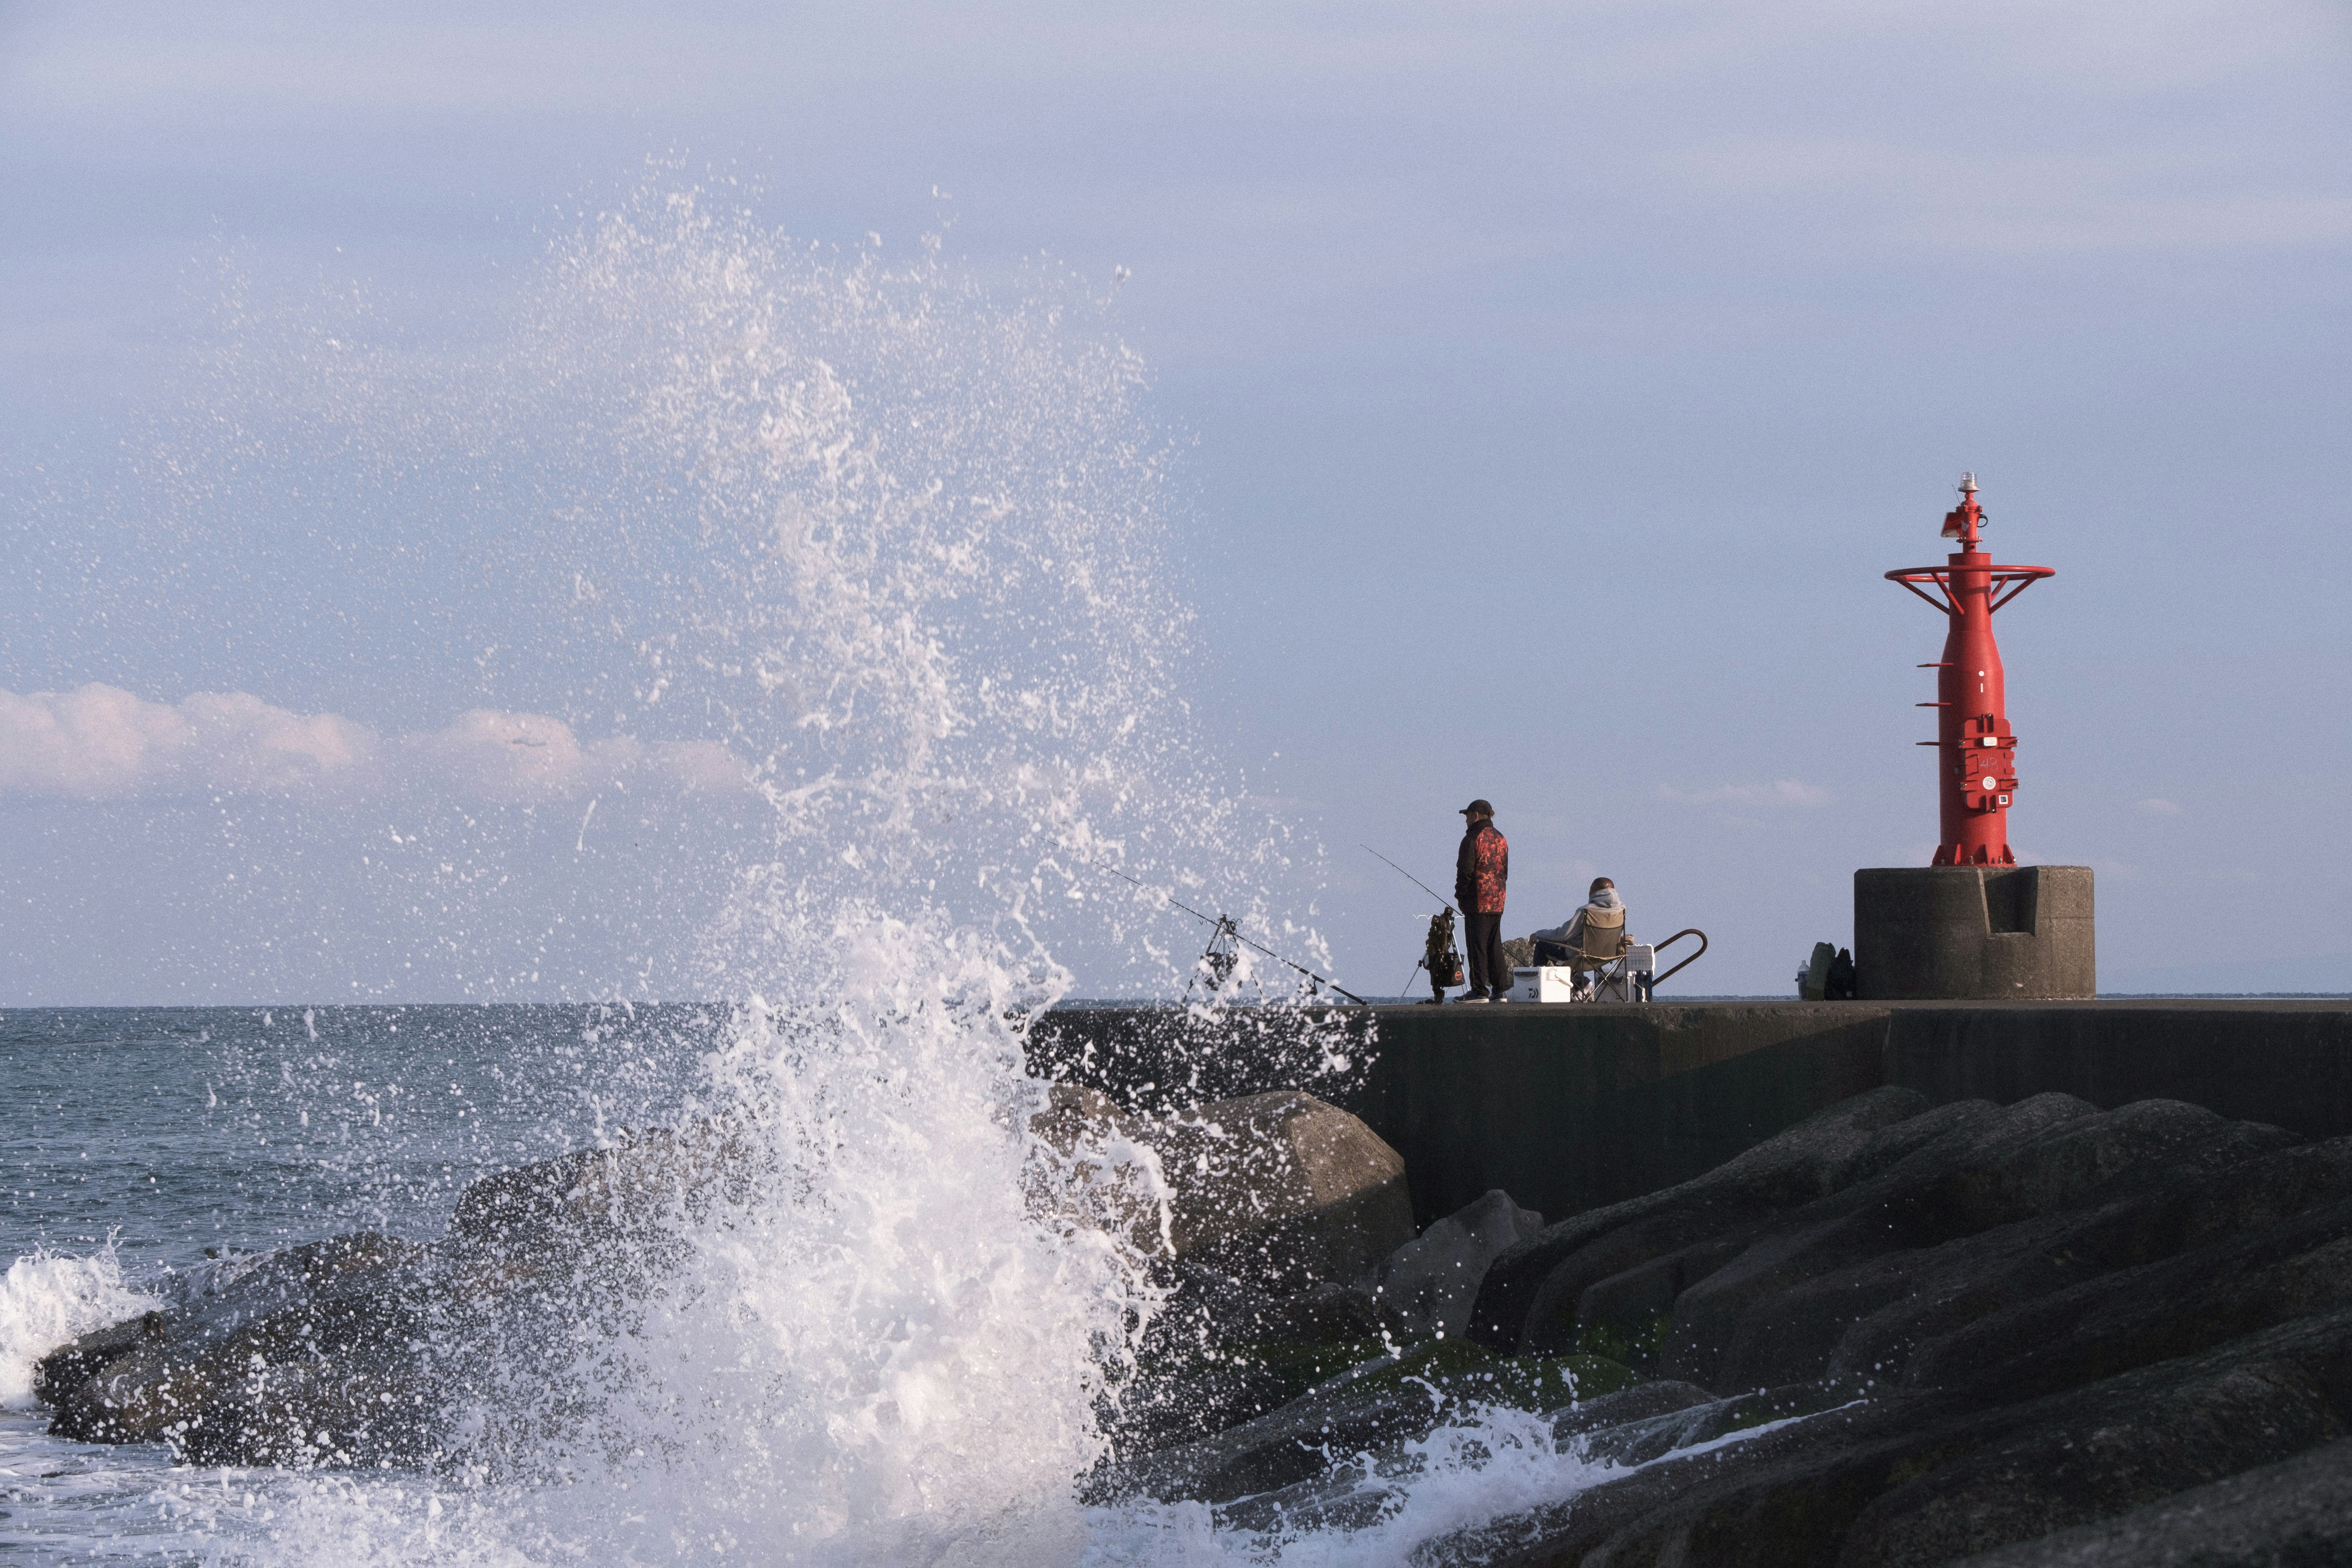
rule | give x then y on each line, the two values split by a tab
100	743
2158	806
1782	792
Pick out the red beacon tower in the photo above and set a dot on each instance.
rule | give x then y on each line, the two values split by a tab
1976	752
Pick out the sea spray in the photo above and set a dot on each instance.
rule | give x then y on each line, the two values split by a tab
901	548
48	1299
892	1334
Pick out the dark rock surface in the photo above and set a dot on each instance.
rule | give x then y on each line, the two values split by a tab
368	1349
2296	1513
1279	1193
2053	1316
1376	1404
1428	1285
1894	1335
1230	1347
1281	1190
289	1356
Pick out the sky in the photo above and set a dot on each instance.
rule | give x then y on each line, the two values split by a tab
1547	386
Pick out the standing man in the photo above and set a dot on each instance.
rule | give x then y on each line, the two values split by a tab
1481	867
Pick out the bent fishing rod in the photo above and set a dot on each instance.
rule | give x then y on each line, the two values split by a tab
1226	927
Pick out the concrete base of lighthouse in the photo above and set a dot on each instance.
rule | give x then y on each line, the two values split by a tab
1974	933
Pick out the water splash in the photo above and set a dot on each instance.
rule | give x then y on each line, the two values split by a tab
897	548
48	1299
905	547
900	549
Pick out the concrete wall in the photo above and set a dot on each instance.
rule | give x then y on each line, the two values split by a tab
1976	932
2287	1063
1615	1104
1569	1107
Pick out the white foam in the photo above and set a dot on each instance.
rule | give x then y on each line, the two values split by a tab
47	1300
1486	1466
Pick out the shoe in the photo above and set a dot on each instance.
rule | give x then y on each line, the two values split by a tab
1480	1001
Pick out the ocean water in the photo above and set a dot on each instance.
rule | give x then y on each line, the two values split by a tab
139	1144
901	547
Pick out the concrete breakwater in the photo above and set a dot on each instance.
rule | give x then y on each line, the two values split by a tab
1571	1107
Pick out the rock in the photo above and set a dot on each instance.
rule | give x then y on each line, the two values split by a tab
2006	1322
2042	1154
1976	1325
2109	1446
1817	1156
1228	1349
1428	1285
1275	1450
596	1197
1378	1405
1920	1478
362	1349
305	1353
2296	1513
1282	1191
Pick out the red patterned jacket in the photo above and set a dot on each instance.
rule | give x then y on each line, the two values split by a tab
1481	868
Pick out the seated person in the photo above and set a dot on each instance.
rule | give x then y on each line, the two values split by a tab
1598	928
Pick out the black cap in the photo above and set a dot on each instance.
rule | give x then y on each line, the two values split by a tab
1476	808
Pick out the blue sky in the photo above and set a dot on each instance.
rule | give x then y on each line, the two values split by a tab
1550	386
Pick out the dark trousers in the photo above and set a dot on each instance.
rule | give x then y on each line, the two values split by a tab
1482	939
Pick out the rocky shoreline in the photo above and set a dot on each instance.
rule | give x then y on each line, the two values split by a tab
1894	1334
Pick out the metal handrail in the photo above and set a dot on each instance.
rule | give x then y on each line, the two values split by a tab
1657	980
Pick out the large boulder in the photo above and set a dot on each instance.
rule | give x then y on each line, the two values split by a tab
304	1354
365	1349
1280	1193
1385	1404
1276	1211
1428	1286
1529	1293
627	1189
1283	1190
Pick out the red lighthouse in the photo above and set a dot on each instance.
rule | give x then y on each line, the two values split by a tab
1976	754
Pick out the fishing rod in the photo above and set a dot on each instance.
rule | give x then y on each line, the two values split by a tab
1402	872
1226	928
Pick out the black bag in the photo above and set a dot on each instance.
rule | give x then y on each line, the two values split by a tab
1445	961
1840	985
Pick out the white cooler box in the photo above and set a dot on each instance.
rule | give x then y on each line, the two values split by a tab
1557	983
1548	984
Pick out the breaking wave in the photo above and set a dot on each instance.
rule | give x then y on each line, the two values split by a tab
46	1299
